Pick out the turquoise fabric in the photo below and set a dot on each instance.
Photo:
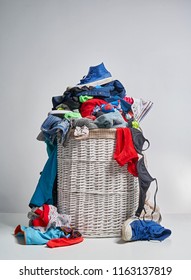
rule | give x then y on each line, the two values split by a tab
34	236
43	192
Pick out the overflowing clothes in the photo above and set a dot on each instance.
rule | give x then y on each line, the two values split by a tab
96	102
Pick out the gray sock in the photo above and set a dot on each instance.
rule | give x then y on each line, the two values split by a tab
109	120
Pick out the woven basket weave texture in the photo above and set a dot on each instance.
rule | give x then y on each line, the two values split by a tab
93	189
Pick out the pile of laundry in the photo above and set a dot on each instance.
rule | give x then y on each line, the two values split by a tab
98	101
47	226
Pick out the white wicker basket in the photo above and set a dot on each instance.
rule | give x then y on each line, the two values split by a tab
93	189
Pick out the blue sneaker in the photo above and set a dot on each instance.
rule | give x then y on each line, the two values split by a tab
97	75
135	229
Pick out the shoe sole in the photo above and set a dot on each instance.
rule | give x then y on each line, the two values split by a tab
59	112
145	111
96	83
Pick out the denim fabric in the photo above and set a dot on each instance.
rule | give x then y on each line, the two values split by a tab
113	88
118	88
97	91
71	96
52	124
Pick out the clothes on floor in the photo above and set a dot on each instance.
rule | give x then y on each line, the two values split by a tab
33	236
53	237
46	224
62	242
46	217
135	229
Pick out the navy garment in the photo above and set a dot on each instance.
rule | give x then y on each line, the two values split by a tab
96	91
71	95
113	88
118	89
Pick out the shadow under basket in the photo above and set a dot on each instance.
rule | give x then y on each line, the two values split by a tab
93	189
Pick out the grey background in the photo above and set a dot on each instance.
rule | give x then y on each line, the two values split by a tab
47	45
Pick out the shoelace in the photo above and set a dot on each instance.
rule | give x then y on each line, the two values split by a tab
135	111
88	77
155	203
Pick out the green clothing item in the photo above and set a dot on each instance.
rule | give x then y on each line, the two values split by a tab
72	115
84	98
135	124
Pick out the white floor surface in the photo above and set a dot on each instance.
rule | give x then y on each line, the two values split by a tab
176	247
